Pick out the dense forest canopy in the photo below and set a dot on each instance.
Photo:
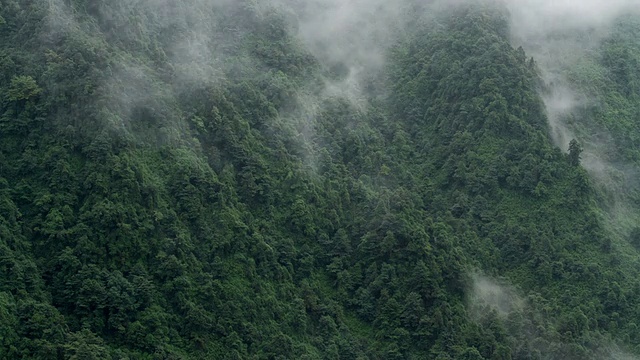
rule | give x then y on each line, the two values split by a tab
289	179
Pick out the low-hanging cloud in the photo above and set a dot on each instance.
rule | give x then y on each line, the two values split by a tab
352	32
189	53
558	34
350	38
524	323
561	35
489	292
541	17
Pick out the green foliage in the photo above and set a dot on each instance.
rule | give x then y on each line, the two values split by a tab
634	237
574	152
23	88
147	211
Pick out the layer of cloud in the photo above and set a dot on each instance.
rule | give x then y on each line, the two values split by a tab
525	325
542	17
560	34
487	292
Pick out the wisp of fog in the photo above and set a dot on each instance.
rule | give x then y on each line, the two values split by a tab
557	33
560	35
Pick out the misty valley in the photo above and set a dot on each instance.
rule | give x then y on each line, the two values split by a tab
320	179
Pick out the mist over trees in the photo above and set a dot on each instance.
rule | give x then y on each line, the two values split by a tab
319	179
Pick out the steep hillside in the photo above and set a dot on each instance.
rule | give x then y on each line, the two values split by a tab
196	180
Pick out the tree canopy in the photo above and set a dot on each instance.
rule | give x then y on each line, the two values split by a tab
191	181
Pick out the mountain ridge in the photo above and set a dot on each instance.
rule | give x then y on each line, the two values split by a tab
182	184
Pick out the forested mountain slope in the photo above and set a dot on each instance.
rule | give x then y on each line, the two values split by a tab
182	180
